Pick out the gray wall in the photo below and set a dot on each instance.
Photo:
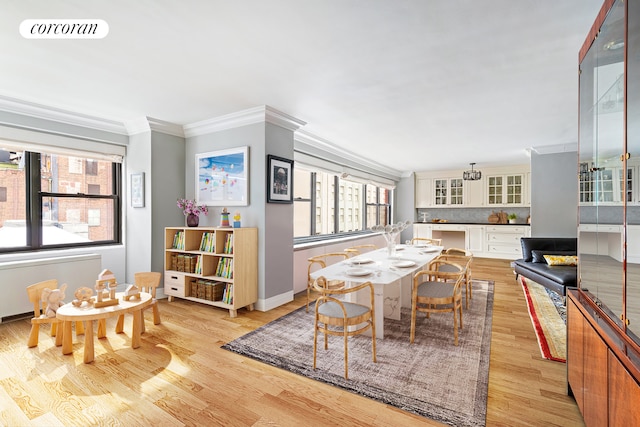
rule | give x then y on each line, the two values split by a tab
277	245
138	220
554	194
274	221
405	204
167	185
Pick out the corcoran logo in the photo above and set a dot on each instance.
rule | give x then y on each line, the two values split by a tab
64	29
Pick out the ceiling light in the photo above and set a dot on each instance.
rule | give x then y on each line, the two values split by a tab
471	175
614	45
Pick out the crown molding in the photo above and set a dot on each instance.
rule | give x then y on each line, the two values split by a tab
259	114
39	111
147	124
327	146
555	149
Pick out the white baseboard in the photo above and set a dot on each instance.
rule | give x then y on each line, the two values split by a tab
273	302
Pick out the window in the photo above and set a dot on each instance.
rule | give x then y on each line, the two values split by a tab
3	194
91	167
48	206
327	204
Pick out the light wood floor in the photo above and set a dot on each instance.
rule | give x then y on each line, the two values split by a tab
180	376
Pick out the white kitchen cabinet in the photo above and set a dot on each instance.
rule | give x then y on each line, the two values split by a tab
475	239
499	187
503	241
506	190
422	230
474	194
423	197
448	192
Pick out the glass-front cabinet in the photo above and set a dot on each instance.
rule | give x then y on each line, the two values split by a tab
604	313
448	191
609	153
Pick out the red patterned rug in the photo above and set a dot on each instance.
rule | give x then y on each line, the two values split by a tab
547	321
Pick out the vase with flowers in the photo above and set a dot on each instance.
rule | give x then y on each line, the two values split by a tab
192	211
390	233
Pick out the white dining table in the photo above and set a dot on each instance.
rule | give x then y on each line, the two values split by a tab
391	276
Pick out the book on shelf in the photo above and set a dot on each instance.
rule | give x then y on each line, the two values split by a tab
198	268
207	243
178	240
228	244
227	295
225	268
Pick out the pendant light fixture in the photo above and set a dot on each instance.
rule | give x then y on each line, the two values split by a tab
471	175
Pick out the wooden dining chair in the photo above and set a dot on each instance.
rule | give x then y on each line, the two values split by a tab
425	240
146	282
319	262
457	251
359	249
342	318
464	261
437	291
34	292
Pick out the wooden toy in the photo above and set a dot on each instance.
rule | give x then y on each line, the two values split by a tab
106	289
54	299
83	295
132	291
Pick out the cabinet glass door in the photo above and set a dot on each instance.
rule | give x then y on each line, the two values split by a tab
456	191
632	297
601	244
495	190
440	193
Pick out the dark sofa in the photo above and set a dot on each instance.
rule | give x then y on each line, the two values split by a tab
533	266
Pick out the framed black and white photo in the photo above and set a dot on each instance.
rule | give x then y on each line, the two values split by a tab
137	190
279	180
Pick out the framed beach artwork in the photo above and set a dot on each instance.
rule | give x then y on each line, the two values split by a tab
222	177
279	180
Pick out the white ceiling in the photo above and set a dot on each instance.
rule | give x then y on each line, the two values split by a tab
411	84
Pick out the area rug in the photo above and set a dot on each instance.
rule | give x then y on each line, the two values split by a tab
548	316
432	377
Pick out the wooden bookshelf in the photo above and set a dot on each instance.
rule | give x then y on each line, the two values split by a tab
212	265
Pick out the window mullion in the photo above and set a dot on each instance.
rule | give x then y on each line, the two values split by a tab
33	202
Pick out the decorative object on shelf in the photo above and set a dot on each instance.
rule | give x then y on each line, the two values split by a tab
279	180
472	175
390	233
512	218
192	211
224	218
222	177
236	220
137	190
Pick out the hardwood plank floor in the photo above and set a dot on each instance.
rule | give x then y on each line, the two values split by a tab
180	376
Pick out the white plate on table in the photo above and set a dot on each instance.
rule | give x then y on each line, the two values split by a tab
421	246
403	263
361	261
358	272
429	250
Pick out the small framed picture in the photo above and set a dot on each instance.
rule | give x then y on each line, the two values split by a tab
137	190
279	180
